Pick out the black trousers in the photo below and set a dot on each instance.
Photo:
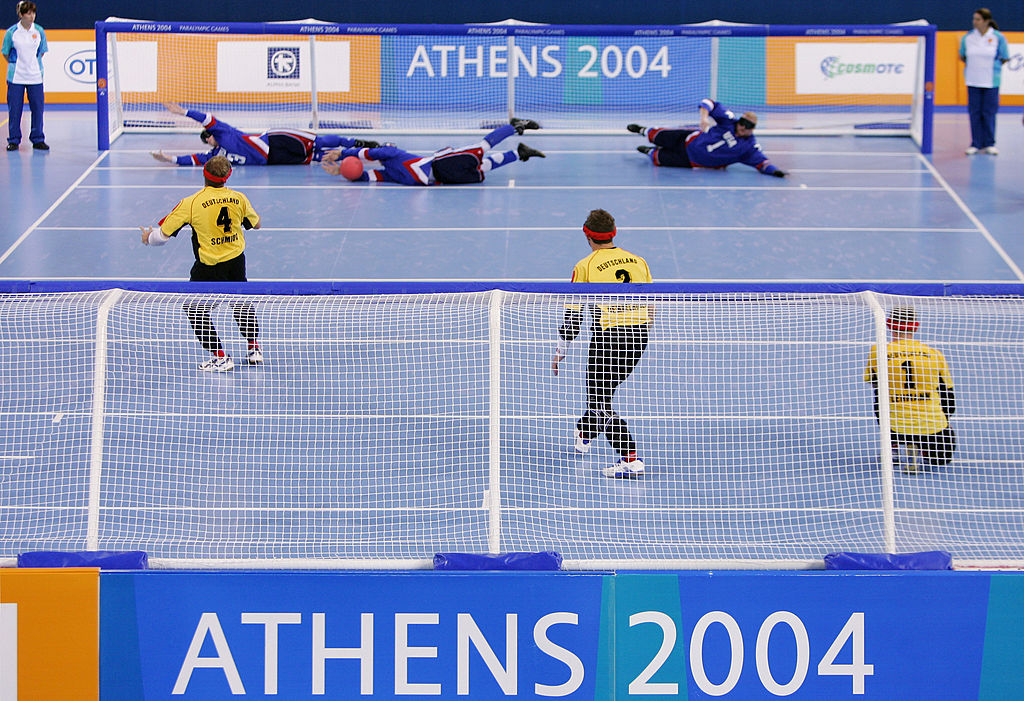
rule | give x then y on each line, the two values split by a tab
613	354
671	145
458	168
198	311
936	448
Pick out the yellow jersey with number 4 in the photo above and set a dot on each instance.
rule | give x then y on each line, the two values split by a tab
916	373
218	216
615	265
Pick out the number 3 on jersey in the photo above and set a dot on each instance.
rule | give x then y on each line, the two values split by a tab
224	220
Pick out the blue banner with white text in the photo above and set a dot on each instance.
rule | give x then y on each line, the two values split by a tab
732	635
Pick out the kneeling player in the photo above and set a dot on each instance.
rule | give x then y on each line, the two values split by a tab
921	397
449	166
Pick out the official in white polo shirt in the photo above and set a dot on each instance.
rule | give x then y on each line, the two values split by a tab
23	47
983	51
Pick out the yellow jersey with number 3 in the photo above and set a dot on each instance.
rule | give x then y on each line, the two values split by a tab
916	372
218	216
615	265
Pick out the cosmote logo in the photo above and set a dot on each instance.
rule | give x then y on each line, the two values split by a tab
833	67
282	62
81	66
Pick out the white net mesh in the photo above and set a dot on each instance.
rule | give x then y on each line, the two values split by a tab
373	433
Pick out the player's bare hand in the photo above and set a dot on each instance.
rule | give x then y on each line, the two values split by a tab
146	231
175	108
331	156
332	168
161	156
559	357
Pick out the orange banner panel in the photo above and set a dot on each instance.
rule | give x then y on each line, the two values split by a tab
58	641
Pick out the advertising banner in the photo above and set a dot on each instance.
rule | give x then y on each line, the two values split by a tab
49	634
1013	72
855	69
733	635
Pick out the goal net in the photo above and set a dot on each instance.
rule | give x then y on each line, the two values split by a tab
457	78
382	429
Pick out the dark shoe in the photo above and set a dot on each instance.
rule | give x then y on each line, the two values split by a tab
12	147
363	143
40	146
635	128
526	153
645	149
522	125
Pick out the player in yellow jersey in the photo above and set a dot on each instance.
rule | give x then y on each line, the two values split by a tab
921	397
618	339
218	216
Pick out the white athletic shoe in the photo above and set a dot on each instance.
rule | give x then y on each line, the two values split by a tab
992	151
625	469
218	363
970	150
254	356
582	445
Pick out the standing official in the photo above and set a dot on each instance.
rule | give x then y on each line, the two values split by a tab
23	46
984	51
618	339
217	215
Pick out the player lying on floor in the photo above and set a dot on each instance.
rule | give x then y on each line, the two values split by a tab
730	140
274	147
449	166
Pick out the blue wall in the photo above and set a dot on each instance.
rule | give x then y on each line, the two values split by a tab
949	16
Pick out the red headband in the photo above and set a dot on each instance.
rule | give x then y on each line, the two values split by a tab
216	178
901	325
599	235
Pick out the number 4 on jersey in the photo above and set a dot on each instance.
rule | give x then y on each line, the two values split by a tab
224	220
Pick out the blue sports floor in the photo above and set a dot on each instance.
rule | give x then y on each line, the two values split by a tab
853	209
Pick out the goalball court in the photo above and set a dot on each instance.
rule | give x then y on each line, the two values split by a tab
368	434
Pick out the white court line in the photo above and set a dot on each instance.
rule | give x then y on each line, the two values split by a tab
500	229
731	188
974	220
54	206
867	171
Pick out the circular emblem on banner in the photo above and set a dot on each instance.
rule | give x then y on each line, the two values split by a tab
283	62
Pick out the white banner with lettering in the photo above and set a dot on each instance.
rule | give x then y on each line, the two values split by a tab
855	69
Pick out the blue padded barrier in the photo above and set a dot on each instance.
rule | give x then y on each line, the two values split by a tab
546	561
931	560
104	559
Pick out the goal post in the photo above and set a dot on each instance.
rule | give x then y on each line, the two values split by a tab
389	423
807	79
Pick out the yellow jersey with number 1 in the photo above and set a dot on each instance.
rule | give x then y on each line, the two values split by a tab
615	265
916	373
218	216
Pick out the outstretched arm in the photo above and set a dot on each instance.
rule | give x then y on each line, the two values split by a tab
175	108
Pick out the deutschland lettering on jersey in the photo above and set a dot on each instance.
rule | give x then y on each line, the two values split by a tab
218	216
615	265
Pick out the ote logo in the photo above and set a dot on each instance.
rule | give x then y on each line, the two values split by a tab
282	62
